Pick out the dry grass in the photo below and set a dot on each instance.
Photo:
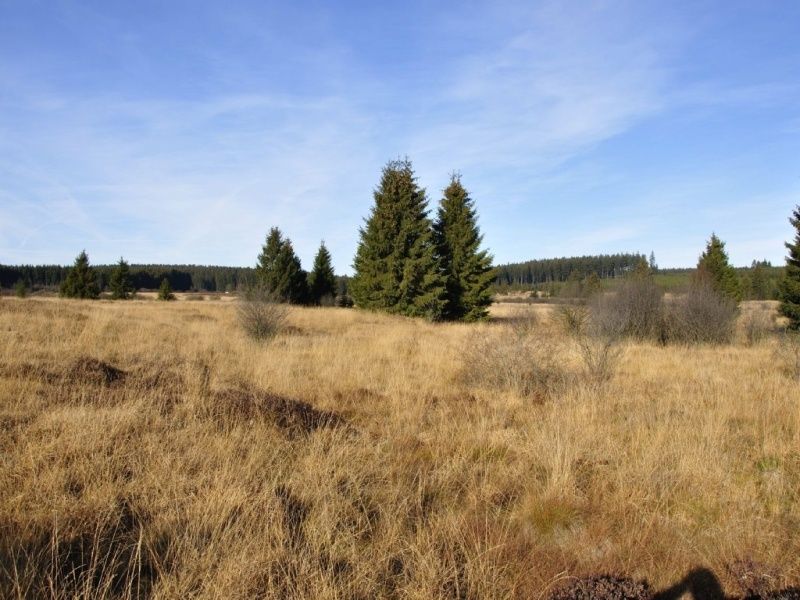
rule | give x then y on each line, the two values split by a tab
153	449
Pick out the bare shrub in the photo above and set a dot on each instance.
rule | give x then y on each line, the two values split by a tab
520	360
601	355
574	318
757	325
260	315
702	315
635	310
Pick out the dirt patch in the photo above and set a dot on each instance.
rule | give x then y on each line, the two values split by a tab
603	587
293	417
91	370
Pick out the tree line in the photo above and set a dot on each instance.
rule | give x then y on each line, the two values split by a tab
182	278
548	270
407	263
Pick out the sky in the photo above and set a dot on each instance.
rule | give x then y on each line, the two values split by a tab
181	131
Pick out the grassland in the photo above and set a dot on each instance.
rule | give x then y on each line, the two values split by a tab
152	449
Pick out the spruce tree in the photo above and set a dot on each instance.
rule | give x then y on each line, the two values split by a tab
290	279
714	268
468	269
321	280
120	282
396	266
165	291
266	268
81	281
789	290
279	272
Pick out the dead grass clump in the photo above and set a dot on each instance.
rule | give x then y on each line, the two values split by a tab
787	354
603	587
233	407
99	556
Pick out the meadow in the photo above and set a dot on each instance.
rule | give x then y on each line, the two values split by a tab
151	449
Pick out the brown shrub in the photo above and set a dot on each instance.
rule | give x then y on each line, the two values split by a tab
260	315
702	315
519	360
635	310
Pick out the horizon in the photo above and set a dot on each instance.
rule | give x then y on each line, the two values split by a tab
180	134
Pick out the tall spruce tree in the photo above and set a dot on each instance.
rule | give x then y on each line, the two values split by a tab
714	268
468	269
279	271
266	268
321	280
789	289
81	281
396	266
120	282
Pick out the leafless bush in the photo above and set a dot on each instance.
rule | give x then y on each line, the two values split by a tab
520	360
635	310
601	355
260	315
574	318
756	325
702	315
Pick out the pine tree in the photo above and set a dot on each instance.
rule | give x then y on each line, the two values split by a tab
80	281
120	282
396	267
468	269
714	268
789	289
165	291
321	280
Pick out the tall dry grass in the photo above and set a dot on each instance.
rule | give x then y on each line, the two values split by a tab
155	450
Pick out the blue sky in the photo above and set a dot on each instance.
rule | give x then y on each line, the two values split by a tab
180	132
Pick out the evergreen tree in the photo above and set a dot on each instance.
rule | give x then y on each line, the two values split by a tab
165	291
120	282
321	280
396	267
21	289
759	285
80	281
279	271
652	262
266	268
468	269
714	267
789	289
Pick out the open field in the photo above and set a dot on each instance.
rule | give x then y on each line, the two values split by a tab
152	449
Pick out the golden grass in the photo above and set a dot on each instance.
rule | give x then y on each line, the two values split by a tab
353	457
